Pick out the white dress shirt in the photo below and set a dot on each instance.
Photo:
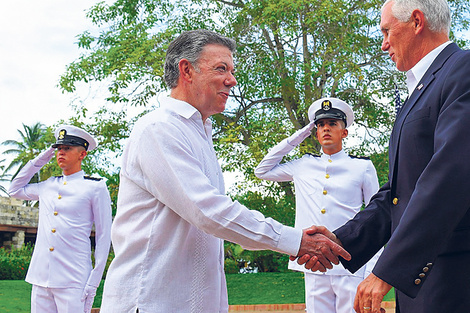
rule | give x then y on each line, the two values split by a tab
329	190
68	206
414	75
172	210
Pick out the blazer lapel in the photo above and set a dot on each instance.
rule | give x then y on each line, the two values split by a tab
423	84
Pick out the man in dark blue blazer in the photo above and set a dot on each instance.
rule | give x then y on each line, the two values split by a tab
422	212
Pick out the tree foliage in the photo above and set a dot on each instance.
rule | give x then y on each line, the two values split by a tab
290	53
33	141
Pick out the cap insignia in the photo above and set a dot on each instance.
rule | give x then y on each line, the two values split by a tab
62	134
326	105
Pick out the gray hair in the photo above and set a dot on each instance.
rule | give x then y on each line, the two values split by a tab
189	45
437	12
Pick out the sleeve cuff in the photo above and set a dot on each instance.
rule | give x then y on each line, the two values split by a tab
290	239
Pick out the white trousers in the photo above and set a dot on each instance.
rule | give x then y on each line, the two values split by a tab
330	293
56	300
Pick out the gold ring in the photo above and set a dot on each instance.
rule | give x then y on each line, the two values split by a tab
367	308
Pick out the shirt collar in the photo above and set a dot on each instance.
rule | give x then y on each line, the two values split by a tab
187	111
416	73
180	107
79	174
338	155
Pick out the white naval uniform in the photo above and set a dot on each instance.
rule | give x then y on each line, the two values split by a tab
171	209
329	191
68	206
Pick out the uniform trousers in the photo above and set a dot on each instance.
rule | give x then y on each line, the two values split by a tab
56	300
330	293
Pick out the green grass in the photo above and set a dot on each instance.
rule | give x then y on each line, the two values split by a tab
15	296
261	288
265	288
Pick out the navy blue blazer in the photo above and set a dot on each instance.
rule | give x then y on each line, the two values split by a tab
422	212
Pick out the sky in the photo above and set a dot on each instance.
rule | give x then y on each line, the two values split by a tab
38	40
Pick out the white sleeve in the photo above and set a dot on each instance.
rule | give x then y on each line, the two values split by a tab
20	187
370	188
102	218
371	182
269	167
175	176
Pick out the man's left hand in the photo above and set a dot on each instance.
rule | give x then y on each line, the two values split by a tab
370	294
88	297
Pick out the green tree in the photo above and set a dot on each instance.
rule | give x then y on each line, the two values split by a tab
32	141
4	177
290	52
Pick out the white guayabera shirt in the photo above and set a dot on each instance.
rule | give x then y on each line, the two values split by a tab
172	210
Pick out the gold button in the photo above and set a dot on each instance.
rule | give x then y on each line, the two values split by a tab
417	281
55	213
51	249
325	192
395	201
425	269
53	230
429	264
65	183
422	275
327	176
323	211
60	197
329	160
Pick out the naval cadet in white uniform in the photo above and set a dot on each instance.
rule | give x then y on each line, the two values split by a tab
330	189
61	270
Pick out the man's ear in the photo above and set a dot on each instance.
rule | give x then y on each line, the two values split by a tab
83	154
186	69
418	20
345	133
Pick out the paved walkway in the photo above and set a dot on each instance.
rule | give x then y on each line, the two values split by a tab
289	308
281	308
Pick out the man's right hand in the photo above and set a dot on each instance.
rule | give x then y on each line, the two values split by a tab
319	249
44	157
296	138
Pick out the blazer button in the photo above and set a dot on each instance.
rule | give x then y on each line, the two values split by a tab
55	213
51	249
53	230
323	211
422	275
429	264
425	269
417	281
325	192
327	176
395	201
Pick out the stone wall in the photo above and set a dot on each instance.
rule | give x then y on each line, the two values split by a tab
13	212
17	222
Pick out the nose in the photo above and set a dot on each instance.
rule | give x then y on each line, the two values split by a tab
230	81
385	44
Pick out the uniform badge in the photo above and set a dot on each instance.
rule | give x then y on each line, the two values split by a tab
326	105
62	134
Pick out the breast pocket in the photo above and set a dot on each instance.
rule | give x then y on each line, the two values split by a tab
419	129
414	116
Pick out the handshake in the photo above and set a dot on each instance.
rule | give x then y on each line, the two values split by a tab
319	249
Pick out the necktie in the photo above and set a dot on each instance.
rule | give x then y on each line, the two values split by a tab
398	103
